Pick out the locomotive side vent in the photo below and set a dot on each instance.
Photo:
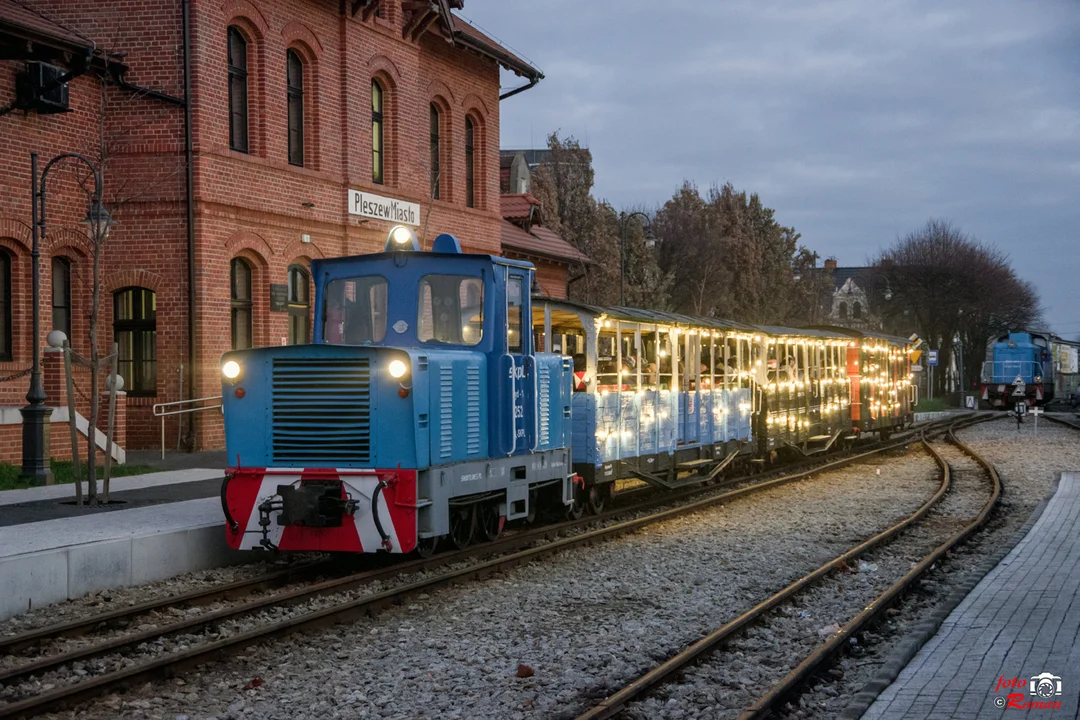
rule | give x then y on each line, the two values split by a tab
322	410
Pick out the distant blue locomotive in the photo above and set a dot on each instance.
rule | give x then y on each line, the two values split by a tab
421	410
1019	370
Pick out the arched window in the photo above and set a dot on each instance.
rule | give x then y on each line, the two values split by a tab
856	310
135	331
295	80
470	159
435	152
377	135
238	94
61	295
843	311
5	306
240	283
299	305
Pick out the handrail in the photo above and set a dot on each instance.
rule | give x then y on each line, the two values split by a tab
161	412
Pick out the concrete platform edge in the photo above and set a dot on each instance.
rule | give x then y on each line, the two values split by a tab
898	660
44	577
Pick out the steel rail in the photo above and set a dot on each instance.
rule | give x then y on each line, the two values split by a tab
1061	421
14	644
614	704
169	664
763	706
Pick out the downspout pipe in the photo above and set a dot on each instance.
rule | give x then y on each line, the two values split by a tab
189	182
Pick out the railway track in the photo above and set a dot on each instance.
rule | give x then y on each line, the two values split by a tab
618	702
113	666
1075	425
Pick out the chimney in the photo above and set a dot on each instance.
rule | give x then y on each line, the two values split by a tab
519	175
830	264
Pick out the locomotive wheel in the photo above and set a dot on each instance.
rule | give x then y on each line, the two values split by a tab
489	521
462	526
597	499
425	547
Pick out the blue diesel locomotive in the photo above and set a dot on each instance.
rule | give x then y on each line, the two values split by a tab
421	409
439	399
1019	370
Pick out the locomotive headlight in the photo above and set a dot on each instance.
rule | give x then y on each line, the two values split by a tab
231	369
397	369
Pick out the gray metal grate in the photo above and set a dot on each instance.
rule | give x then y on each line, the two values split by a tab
321	411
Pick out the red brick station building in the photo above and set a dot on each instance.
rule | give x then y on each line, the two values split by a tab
242	139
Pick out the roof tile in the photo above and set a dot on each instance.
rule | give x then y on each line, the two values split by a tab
540	241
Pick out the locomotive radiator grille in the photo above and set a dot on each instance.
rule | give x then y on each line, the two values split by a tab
322	410
545	406
446	411
472	412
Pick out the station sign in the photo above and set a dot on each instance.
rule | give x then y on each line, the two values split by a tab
378	207
931	358
916	368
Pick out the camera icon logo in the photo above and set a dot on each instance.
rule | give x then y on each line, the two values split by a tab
1045	685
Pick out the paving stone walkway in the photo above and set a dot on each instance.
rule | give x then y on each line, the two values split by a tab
1021	621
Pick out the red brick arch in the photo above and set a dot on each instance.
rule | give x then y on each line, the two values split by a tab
67	238
132	278
246	239
474	104
382	65
18	233
437	89
238	11
297	33
301	249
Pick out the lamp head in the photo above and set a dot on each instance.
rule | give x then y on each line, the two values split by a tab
401	239
98	221
651	240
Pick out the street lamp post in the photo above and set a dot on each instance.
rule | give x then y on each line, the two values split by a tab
35	466
650	242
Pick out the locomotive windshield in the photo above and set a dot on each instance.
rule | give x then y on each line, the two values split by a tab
354	311
450	309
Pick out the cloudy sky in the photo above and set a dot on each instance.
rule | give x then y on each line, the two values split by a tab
856	120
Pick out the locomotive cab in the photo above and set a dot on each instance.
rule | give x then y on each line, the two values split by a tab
420	409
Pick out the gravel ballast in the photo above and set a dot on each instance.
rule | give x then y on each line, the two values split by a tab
548	639
1028	466
731	679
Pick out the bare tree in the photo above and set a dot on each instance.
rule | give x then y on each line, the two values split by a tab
103	149
953	286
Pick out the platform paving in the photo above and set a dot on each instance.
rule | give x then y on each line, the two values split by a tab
1021	620
160	525
50	502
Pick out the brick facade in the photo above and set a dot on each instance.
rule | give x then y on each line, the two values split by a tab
252	205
